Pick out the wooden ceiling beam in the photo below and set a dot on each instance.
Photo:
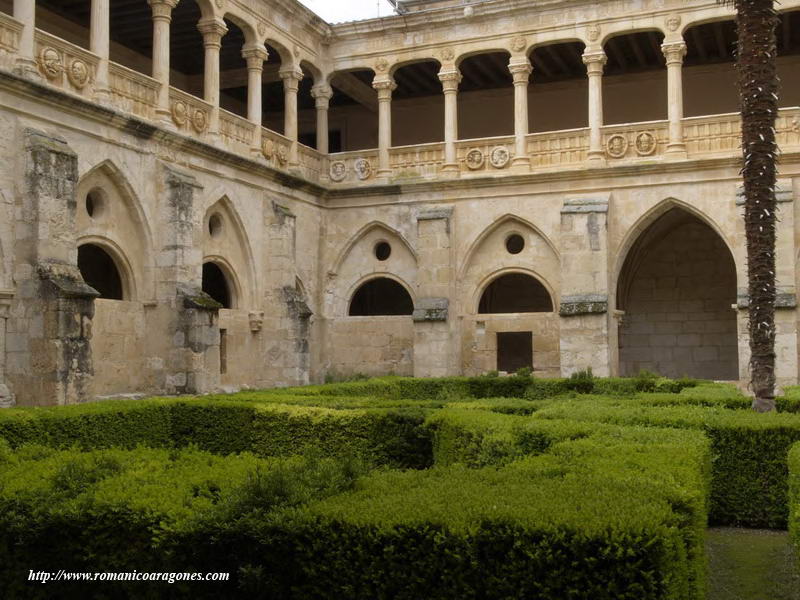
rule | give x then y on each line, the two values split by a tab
352	86
699	44
633	43
540	65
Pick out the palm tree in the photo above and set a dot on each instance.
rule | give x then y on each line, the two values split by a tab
756	21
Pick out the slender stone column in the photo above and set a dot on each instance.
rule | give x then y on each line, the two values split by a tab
162	17
291	83
25	12
450	80
521	71
322	95
385	85
255	57
100	43
6	397
213	30
595	61
674	53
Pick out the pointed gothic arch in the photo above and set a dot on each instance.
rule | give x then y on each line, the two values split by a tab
676	286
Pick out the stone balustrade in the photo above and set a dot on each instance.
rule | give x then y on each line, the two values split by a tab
74	70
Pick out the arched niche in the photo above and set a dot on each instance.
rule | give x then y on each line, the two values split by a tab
676	287
374	250
515	293
106	269
218	283
497	249
110	215
226	244
380	296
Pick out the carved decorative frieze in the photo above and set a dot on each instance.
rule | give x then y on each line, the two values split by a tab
617	146
499	157
645	143
338	170
362	168
50	62
475	159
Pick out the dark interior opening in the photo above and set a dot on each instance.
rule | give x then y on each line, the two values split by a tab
99	271
514	351
381	297
215	284
515	293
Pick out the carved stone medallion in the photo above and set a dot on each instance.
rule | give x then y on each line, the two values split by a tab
50	62
262	28
518	44
593	32
475	159
338	170
448	54
220	3
282	156
199	120
362	168
617	146
78	73
673	21
645	143
180	113
381	65
267	148
499	157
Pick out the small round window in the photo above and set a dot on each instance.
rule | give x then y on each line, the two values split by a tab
383	251
215	225
515	243
95	204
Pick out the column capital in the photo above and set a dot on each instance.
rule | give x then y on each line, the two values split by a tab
322	94
385	85
162	9
674	52
594	61
291	78
520	70
255	56
450	79
213	30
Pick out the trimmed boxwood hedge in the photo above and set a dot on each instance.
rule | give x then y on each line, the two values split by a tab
289	528
392	437
749	483
794	497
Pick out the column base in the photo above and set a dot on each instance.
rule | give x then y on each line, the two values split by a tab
164	118
102	96
596	158
450	170
675	151
27	68
521	164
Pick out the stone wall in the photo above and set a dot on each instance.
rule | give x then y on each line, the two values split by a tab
678	317
370	345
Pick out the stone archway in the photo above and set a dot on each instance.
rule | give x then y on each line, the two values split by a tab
676	289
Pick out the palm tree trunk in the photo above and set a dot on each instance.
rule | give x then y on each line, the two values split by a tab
758	88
